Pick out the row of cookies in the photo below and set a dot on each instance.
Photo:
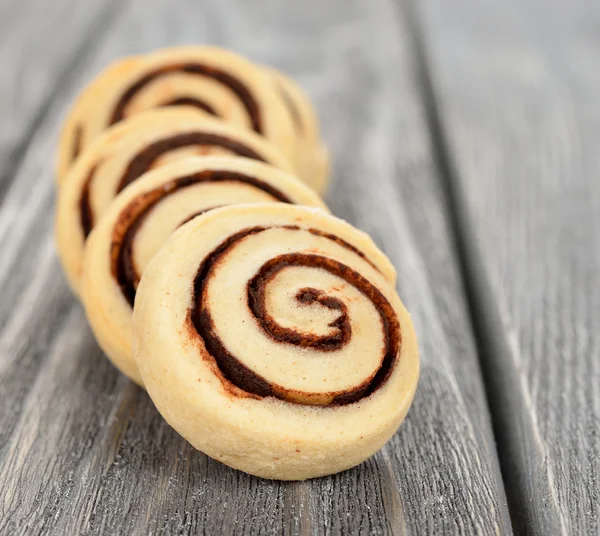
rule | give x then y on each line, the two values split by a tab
267	332
219	83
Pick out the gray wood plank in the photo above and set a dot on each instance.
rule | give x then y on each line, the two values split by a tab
43	43
83	450
517	88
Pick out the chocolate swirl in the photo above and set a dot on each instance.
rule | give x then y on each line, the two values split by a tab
224	78
85	208
77	141
132	217
229	81
272	348
192	101
252	384
145	158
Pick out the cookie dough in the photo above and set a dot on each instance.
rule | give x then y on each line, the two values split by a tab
142	217
124	152
311	158
216	81
272	338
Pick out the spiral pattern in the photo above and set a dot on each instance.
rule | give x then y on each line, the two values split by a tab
286	319
217	82
143	216
199	69
145	159
132	218
338	336
130	149
195	103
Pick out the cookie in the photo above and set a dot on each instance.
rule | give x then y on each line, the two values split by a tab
311	159
219	82
271	337
124	152
143	216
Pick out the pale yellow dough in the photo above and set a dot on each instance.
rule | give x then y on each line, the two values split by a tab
94	110
311	157
171	195
107	159
291	431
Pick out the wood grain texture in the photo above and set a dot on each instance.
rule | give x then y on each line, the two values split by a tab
84	450
42	46
517	86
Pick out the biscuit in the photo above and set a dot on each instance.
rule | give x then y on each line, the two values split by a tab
271	337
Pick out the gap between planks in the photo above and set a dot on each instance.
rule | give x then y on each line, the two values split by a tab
485	319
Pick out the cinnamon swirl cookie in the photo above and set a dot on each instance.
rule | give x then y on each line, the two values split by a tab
311	158
143	216
219	82
124	152
271	337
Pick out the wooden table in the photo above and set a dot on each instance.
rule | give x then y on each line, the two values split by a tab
466	140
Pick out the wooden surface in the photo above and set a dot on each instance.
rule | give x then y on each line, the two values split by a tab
464	136
43	45
517	87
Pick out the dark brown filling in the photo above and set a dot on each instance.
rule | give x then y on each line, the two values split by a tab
85	209
191	101
343	243
198	213
146	158
77	136
254	385
131	218
256	300
224	78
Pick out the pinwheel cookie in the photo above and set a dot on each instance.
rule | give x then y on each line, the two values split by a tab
271	337
126	151
216	81
311	158
142	217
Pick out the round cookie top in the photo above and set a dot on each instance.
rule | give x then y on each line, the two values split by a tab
217	81
142	217
272	338
124	152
